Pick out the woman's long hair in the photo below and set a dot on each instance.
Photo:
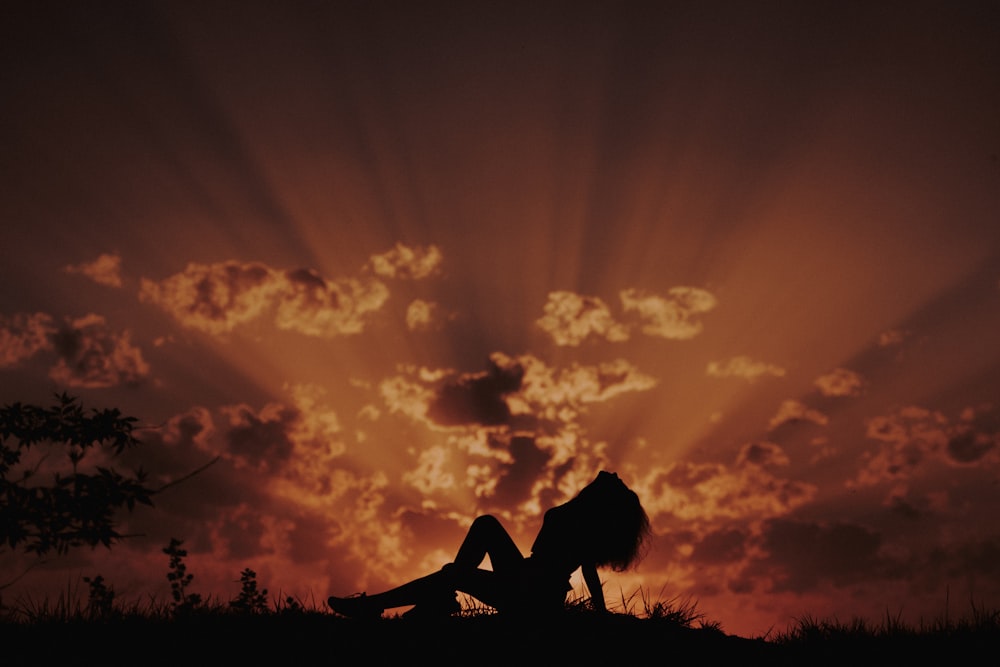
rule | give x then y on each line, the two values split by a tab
615	521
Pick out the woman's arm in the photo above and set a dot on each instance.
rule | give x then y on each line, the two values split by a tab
593	581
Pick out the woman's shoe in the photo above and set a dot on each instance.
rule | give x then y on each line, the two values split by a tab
355	606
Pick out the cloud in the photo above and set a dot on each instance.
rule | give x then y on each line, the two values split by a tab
762	454
840	382
975	435
314	306
516	479
674	316
570	319
477	398
244	532
105	270
711	492
793	411
403	262
22	335
913	438
406	396
296	442
721	546
743	367
511	387
432	472
92	356
558	394
891	337
259	440
281	464
511	433
799	555
422	315
217	298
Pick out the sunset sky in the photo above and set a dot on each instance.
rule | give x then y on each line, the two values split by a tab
400	264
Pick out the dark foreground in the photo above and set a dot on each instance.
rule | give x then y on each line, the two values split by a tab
312	638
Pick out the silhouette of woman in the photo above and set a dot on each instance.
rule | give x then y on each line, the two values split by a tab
603	526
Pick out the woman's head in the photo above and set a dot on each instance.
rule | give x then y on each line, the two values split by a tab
616	521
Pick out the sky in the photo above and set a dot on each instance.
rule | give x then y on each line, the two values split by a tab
397	265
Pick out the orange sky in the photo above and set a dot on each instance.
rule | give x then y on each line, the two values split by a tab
399	265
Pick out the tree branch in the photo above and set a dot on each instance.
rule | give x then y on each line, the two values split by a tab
186	477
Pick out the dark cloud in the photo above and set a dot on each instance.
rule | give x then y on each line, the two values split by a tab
903	507
477	399
720	546
518	477
176	450
800	554
242	534
261	443
976	435
762	454
433	528
93	356
970	447
975	563
978	558
309	538
667	548
24	334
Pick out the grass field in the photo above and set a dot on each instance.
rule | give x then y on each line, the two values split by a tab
108	632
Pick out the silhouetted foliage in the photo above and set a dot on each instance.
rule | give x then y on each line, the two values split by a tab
180	578
250	600
100	598
74	507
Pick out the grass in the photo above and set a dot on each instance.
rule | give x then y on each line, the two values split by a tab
100	628
90	624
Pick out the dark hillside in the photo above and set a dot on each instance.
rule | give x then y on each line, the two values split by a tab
316	639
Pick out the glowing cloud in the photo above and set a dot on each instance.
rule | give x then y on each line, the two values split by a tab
217	298
511	433
796	411
571	318
92	356
840	382
214	298
743	367
422	316
673	316
404	262
891	337
105	270
712	491
559	393
22	335
313	306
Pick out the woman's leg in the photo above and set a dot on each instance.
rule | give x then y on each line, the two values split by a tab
486	536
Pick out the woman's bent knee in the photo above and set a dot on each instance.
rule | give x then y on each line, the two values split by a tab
485	521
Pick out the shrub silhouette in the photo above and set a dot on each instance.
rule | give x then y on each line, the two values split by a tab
100	599
250	600
180	579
